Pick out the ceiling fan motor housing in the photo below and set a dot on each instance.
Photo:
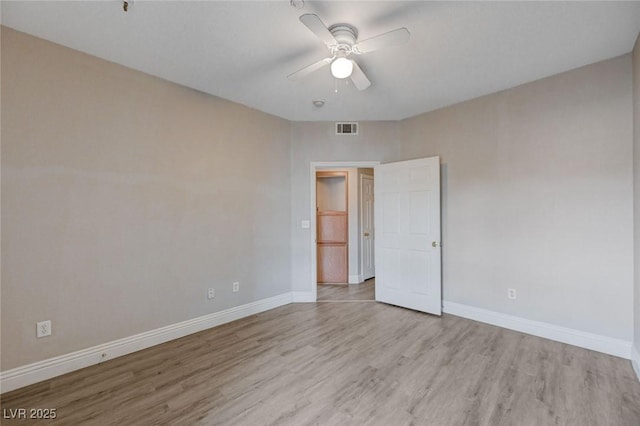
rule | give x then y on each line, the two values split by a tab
346	36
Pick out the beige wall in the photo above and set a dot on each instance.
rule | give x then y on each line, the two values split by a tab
537	196
636	190
124	197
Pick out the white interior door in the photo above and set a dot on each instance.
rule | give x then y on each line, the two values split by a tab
367	203
407	243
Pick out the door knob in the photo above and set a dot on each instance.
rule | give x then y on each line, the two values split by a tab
366	234
435	244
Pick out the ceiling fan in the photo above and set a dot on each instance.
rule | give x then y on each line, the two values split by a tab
342	41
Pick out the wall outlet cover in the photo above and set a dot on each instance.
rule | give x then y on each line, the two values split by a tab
43	329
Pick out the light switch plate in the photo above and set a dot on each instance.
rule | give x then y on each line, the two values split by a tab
306	224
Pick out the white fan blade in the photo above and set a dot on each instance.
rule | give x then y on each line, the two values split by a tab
392	38
309	69
318	28
359	79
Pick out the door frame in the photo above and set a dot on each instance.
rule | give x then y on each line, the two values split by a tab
313	168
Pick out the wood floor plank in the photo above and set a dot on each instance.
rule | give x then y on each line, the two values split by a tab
345	364
347	292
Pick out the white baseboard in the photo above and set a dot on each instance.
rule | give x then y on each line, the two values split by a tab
596	342
52	367
355	279
635	360
303	297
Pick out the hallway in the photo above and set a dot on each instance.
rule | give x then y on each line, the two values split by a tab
347	292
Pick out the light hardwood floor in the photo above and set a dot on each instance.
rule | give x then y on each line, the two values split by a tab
347	292
346	364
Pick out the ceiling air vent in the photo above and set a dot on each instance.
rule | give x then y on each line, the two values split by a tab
346	128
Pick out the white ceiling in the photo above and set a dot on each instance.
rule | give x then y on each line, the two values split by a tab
243	51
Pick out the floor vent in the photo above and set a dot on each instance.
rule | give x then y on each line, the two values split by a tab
347	128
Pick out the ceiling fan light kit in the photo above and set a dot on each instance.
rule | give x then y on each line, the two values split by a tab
341	67
342	41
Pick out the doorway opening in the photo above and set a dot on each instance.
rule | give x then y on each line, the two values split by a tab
342	237
408	256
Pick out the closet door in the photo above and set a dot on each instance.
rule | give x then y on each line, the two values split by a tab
332	247
332	227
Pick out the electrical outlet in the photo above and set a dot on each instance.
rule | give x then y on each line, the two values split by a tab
236	287
511	293
211	293
43	329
